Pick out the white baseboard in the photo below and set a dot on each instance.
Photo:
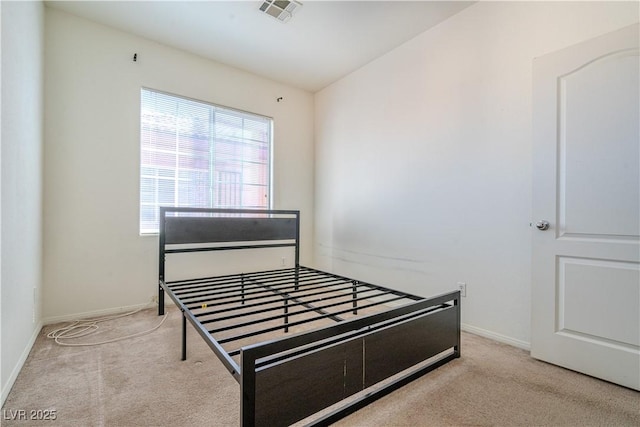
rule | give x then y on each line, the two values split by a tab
96	313
496	337
6	388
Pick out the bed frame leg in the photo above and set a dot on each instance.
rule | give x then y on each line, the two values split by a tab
160	300
184	336
355	297
286	313
242	287
456	303
247	389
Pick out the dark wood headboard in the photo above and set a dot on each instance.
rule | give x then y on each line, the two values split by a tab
200	229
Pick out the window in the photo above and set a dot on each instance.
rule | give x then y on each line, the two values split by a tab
196	154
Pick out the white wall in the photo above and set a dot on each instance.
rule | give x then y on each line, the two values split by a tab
423	158
94	258
21	180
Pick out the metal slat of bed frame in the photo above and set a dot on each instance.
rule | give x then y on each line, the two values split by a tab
304	291
306	279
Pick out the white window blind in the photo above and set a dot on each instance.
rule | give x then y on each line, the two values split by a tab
195	154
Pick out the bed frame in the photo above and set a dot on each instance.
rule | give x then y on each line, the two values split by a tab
284	380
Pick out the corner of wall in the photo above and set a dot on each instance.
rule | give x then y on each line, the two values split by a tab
21	147
8	385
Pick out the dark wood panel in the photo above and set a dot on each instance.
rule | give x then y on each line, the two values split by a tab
293	389
180	230
397	348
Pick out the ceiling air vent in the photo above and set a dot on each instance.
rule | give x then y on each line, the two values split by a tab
282	10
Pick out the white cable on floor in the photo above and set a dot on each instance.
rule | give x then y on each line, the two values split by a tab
84	327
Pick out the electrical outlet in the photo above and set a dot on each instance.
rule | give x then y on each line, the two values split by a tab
462	287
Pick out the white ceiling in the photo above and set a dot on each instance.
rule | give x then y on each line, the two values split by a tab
324	41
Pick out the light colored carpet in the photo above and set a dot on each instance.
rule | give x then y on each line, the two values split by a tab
142	382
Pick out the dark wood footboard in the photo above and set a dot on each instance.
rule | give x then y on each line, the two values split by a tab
287	380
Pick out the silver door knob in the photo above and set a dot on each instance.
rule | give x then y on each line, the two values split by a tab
542	225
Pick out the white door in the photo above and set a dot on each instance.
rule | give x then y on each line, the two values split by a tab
586	185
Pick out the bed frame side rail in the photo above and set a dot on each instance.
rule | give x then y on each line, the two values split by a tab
224	357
